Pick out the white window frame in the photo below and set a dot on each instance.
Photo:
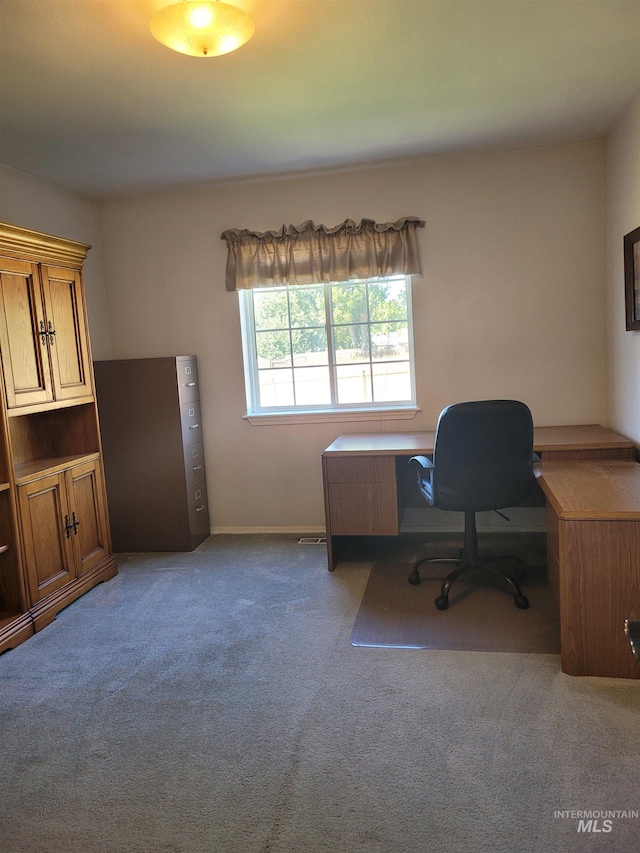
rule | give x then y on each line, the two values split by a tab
257	414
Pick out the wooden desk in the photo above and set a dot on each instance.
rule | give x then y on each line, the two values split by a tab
593	548
368	484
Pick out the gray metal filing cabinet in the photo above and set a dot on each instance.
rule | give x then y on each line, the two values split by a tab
149	410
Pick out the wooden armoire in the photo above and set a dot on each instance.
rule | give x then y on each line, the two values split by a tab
55	542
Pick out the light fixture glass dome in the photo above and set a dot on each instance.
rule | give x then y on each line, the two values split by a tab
202	27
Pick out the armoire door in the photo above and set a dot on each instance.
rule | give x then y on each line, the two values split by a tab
23	335
66	327
88	515
47	545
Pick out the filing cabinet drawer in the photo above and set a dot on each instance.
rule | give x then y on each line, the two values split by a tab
199	511
194	465
187	372
191	423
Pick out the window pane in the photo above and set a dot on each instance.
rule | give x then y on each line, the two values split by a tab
273	349
312	386
354	383
351	343
276	388
270	309
307	306
391	381
389	341
349	303
388	300
310	346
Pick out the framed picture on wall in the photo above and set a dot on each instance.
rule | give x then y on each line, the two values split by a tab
632	279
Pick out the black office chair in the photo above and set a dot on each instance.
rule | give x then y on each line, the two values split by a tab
482	460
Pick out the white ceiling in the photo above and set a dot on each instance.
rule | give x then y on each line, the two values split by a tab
89	100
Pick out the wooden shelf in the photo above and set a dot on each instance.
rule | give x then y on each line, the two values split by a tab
50	407
26	471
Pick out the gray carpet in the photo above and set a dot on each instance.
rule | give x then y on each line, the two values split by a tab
212	703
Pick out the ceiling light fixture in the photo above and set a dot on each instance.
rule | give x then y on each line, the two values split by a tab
202	27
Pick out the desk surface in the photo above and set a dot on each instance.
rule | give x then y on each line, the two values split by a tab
602	489
582	437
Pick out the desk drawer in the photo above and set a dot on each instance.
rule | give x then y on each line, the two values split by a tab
363	509
361	469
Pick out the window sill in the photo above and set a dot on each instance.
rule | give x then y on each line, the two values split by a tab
277	418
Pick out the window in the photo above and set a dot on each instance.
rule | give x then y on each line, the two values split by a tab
329	347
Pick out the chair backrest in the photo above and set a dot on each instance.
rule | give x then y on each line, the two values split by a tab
483	455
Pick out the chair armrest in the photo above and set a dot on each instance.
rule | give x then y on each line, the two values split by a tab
421	462
632	630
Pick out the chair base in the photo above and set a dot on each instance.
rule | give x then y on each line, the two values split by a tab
442	601
470	560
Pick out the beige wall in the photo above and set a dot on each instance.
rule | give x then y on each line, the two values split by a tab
622	172
40	206
511	303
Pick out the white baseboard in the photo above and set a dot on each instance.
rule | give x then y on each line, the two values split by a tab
311	530
427	520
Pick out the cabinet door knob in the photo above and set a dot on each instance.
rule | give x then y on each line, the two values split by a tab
51	334
76	524
67	526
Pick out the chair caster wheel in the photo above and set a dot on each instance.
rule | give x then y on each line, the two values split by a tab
414	578
522	602
442	602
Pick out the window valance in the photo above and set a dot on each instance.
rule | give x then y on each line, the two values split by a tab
314	254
